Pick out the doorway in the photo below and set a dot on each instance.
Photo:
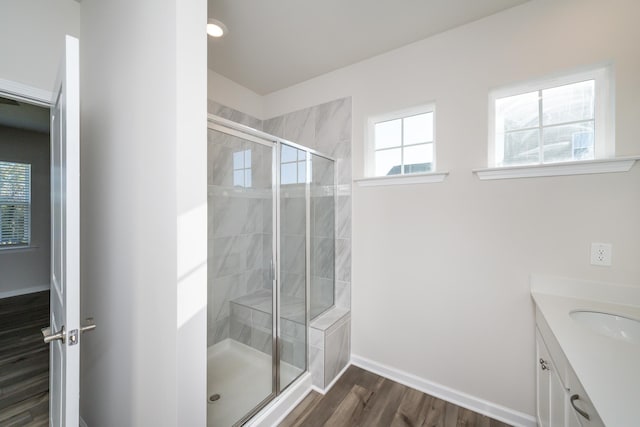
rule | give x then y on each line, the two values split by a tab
25	262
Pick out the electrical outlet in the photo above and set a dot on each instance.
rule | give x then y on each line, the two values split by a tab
601	254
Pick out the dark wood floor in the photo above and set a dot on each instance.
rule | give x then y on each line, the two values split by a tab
24	361
361	398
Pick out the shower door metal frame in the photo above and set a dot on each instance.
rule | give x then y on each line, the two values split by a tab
238	130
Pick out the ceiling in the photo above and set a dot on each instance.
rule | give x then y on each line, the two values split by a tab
22	115
275	44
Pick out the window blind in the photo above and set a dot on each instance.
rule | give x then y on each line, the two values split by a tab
15	204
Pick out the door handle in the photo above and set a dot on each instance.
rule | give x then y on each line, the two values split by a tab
89	326
49	336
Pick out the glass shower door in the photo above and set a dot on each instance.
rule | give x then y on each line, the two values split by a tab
241	371
293	180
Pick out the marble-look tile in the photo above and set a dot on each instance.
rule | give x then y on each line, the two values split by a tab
261	341
234	115
344	171
343	295
292	284
316	338
293	254
316	367
240	324
333	124
343	217
323	257
228	255
343	260
255	280
218	331
323	216
330	319
300	354
267	216
322	295
300	127
227	215
219	159
261	321
274	126
254	254
293	216
337	351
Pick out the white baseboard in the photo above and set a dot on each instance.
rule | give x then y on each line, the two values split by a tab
459	398
24	291
82	423
277	410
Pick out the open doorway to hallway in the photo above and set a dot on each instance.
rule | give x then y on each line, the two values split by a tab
25	260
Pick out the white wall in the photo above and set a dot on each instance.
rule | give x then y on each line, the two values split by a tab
440	271
27	270
143	188
31	39
231	94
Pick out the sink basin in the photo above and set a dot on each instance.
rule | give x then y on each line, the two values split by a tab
610	325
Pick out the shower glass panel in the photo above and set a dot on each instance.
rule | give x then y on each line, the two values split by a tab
322	234
293	263
271	208
241	374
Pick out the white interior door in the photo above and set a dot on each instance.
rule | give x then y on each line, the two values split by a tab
64	390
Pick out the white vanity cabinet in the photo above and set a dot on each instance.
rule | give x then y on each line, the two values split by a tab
561	399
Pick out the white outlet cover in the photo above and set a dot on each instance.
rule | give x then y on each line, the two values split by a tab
601	254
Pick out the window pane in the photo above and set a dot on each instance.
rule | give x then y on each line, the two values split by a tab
289	154
289	174
247	178
418	129
568	103
521	147
388	134
238	160
569	142
418	159
247	158
517	112
388	162
238	177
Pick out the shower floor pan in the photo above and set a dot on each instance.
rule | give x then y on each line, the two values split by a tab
242	376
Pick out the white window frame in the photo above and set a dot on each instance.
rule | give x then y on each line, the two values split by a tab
370	164
604	129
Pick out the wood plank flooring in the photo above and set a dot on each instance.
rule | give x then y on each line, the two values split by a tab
361	398
24	361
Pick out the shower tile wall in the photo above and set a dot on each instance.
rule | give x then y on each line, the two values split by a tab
327	129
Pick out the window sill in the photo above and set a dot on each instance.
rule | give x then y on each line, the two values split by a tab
17	249
622	164
419	178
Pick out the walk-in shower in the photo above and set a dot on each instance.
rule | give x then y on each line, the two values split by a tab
271	228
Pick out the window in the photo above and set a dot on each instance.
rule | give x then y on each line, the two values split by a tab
404	143
552	121
242	168
15	204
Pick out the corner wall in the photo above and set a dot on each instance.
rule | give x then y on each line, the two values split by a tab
143	212
440	271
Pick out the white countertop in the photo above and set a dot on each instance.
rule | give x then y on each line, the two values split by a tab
608	368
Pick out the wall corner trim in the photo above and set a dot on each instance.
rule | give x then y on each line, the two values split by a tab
457	397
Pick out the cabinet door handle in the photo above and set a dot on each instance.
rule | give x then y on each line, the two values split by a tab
543	365
578	410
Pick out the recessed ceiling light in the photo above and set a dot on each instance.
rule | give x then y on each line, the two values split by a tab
216	28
